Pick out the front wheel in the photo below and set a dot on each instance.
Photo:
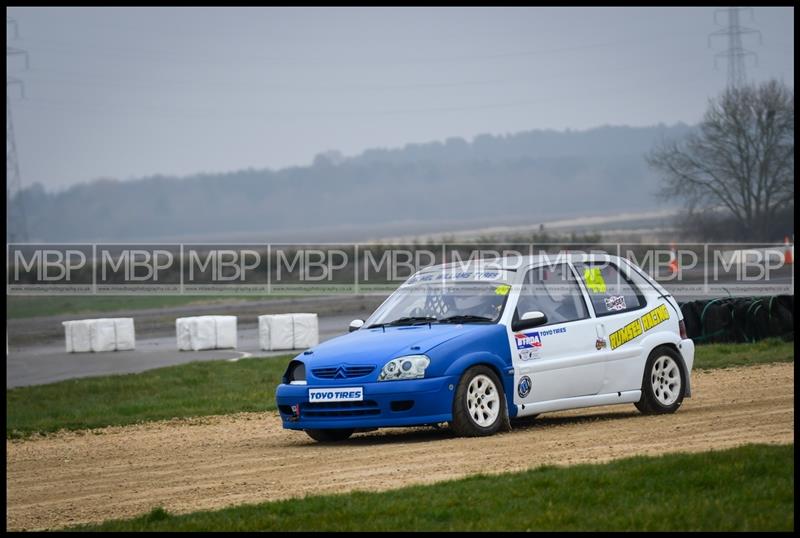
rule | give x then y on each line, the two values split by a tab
479	406
664	382
329	436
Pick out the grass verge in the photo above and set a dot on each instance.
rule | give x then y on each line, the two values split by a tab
219	387
19	307
193	389
710	356
742	489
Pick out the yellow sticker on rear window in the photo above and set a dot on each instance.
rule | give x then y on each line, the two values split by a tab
594	280
502	289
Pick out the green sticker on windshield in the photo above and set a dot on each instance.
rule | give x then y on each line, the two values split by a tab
502	289
594	280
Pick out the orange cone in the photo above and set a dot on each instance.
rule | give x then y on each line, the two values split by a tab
673	259
787	254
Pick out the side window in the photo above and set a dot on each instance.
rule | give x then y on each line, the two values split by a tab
610	291
553	291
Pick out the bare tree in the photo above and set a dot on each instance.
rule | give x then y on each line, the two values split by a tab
741	157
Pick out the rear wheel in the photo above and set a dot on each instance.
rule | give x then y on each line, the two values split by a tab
664	382
479	406
329	436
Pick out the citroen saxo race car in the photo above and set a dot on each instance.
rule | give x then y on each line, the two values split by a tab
480	344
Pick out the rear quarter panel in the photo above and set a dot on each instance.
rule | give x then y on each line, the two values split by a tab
625	367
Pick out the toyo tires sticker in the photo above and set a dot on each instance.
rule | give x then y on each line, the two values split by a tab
347	394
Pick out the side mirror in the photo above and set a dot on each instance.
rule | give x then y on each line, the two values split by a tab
356	324
529	320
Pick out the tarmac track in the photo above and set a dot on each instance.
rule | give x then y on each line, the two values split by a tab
213	462
36	345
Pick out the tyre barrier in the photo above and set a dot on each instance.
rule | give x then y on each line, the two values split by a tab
739	319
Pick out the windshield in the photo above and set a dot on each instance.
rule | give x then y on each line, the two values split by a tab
434	299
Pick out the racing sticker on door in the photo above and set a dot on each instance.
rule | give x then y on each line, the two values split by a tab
524	387
625	334
529	345
639	326
655	316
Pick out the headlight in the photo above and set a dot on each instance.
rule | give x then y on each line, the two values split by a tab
409	367
295	373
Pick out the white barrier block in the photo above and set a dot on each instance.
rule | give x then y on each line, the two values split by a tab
203	333
206	332
102	335
306	330
281	332
226	332
126	334
263	332
183	331
67	334
99	335
81	331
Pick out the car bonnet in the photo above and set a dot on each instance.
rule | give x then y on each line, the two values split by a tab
374	346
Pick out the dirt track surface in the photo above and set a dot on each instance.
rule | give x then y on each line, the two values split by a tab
206	463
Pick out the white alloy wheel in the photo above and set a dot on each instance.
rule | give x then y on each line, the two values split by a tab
666	380
483	401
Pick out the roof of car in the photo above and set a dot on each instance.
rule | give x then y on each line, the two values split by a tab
512	263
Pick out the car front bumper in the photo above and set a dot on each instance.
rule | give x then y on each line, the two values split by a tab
408	402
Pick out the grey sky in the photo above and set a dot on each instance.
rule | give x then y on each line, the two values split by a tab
129	92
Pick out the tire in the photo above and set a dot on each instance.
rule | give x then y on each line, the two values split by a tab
479	405
329	436
663	370
691	319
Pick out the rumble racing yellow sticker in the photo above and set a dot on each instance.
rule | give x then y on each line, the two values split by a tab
625	334
636	327
657	315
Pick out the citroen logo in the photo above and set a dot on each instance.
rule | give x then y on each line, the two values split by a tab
340	373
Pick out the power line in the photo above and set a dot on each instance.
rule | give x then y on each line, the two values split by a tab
735	53
17	222
80	78
90	79
80	107
71	47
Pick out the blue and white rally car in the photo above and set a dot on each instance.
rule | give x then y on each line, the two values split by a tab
480	344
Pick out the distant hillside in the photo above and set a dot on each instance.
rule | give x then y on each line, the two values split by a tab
533	174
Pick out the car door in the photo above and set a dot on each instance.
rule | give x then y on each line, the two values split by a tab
558	359
617	305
